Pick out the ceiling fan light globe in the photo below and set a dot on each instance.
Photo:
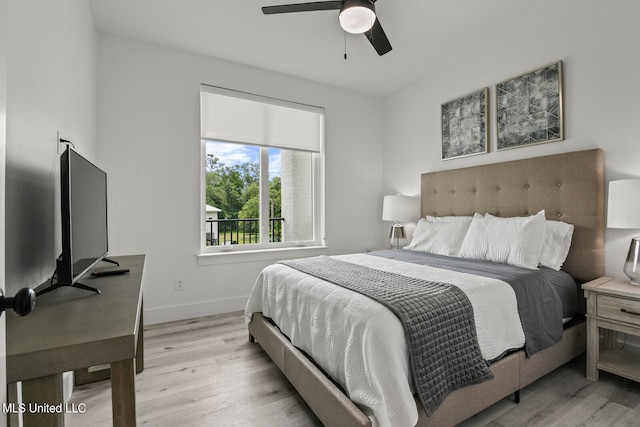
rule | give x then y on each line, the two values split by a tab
357	19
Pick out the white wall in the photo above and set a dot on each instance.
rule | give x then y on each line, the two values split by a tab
598	43
3	146
51	86
149	144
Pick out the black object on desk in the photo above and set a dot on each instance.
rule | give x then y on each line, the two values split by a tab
113	272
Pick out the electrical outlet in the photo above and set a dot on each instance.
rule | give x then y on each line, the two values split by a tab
179	285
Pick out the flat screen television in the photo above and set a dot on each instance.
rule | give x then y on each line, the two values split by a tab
83	197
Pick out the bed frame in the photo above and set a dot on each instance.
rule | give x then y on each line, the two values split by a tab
570	187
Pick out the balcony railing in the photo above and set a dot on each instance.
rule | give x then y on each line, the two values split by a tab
240	231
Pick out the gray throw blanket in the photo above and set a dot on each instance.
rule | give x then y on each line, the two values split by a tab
444	354
539	303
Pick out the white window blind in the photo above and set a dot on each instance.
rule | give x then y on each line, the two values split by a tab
232	116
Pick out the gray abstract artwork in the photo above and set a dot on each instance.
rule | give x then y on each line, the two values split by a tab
529	108
464	125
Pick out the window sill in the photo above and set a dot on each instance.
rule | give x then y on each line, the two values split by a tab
259	255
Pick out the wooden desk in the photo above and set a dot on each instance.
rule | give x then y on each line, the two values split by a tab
73	329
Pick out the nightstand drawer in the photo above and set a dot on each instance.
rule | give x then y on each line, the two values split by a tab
621	309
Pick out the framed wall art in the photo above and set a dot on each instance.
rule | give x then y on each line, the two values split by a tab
529	108
465	125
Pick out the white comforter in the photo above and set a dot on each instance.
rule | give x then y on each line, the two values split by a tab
360	343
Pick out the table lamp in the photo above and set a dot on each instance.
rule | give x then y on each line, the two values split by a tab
397	208
624	212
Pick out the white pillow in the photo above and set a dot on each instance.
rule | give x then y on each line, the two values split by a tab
516	241
447	218
440	235
556	244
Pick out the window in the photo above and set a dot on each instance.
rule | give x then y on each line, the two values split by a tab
261	167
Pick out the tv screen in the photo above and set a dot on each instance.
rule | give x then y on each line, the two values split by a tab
83	196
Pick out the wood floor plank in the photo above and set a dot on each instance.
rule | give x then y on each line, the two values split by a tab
204	372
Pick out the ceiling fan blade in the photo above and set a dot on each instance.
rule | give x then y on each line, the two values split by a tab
378	38
302	7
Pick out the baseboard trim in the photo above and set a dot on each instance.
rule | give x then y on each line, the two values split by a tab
190	311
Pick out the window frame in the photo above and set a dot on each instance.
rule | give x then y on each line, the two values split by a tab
317	176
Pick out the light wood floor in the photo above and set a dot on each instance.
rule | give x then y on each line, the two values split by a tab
204	372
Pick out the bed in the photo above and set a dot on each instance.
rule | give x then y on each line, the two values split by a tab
568	187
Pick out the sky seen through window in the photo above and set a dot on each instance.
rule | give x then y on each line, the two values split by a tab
231	154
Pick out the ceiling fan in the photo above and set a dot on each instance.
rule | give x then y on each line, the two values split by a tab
356	17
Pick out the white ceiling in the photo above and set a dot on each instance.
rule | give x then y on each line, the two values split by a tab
425	35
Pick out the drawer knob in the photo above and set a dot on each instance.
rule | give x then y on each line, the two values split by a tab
635	313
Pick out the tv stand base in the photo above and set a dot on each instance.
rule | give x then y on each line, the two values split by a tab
75	285
111	261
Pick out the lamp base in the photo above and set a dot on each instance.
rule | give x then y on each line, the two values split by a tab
631	265
397	236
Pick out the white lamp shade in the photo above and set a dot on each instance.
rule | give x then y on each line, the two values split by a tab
624	204
398	208
357	19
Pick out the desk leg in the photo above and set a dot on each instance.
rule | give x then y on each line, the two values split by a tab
38	393
140	342
123	392
13	417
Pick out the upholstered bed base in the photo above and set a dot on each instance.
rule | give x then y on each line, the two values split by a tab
326	399
333	407
569	186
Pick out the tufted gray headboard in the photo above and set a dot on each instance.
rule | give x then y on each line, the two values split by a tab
568	186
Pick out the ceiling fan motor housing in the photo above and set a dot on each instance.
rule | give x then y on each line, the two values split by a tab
357	16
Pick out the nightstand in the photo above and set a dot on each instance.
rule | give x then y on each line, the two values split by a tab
614	306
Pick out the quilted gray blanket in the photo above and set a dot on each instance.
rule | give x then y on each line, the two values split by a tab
437	318
540	305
